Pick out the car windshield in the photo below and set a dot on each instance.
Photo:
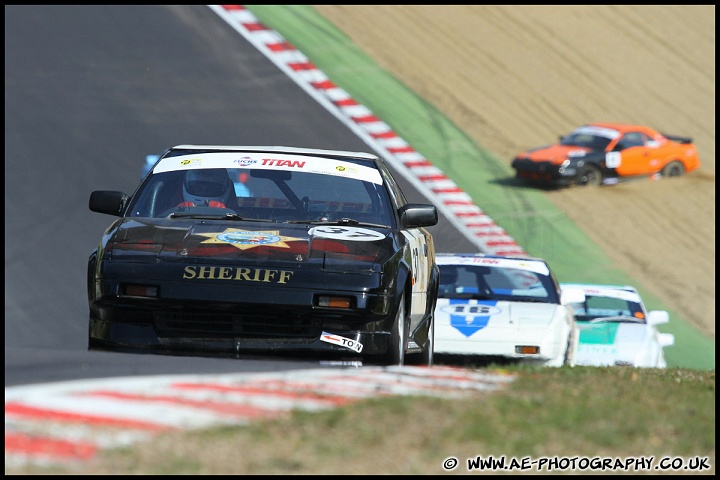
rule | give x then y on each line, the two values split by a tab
289	188
587	140
496	283
596	307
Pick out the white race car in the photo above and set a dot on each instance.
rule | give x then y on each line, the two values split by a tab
506	307
616	329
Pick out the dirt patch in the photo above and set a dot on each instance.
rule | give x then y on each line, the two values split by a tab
517	77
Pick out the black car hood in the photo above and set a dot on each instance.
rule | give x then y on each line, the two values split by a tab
243	242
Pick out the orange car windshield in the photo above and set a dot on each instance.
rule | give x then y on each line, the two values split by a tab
586	140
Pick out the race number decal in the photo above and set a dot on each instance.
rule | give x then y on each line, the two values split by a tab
470	316
612	159
419	265
346	233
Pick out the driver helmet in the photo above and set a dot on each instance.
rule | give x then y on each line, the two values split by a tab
208	185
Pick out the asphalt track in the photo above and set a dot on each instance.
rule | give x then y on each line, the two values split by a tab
89	92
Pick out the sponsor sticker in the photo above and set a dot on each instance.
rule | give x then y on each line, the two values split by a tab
595	349
244	239
342	341
470	316
260	160
529	265
245	162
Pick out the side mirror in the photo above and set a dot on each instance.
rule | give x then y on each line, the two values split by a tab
666	339
415	215
572	295
108	201
658	317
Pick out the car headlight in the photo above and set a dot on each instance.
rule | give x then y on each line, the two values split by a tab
566	168
349	263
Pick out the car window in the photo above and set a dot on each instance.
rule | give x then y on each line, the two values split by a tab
276	195
492	283
587	140
631	139
393	188
600	306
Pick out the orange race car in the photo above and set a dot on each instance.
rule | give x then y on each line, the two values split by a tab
606	154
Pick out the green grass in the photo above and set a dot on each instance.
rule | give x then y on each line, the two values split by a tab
588	412
526	214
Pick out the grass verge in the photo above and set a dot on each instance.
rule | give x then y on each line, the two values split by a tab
585	412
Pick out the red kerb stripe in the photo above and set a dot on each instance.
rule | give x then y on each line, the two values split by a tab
265	391
407	149
324	85
507	243
432	178
56	415
254	27
366	119
280	47
384	135
418	163
245	411
298	66
20	443
348	102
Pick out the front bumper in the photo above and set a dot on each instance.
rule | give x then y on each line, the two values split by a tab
245	319
505	343
144	338
545	173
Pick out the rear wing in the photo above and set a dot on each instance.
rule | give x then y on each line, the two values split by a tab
677	138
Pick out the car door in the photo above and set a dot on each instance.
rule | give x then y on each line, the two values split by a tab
421	252
419	249
631	156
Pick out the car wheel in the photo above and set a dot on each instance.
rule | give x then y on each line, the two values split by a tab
395	354
673	169
565	355
588	175
426	357
572	348
560	360
91	276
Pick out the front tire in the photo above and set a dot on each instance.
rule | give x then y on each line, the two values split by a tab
395	354
673	169
567	355
426	357
560	360
571	351
589	176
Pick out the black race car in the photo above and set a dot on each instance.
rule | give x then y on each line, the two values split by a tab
233	250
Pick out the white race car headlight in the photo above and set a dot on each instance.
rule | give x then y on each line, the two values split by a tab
566	169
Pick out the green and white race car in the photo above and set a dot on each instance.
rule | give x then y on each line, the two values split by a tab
617	330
